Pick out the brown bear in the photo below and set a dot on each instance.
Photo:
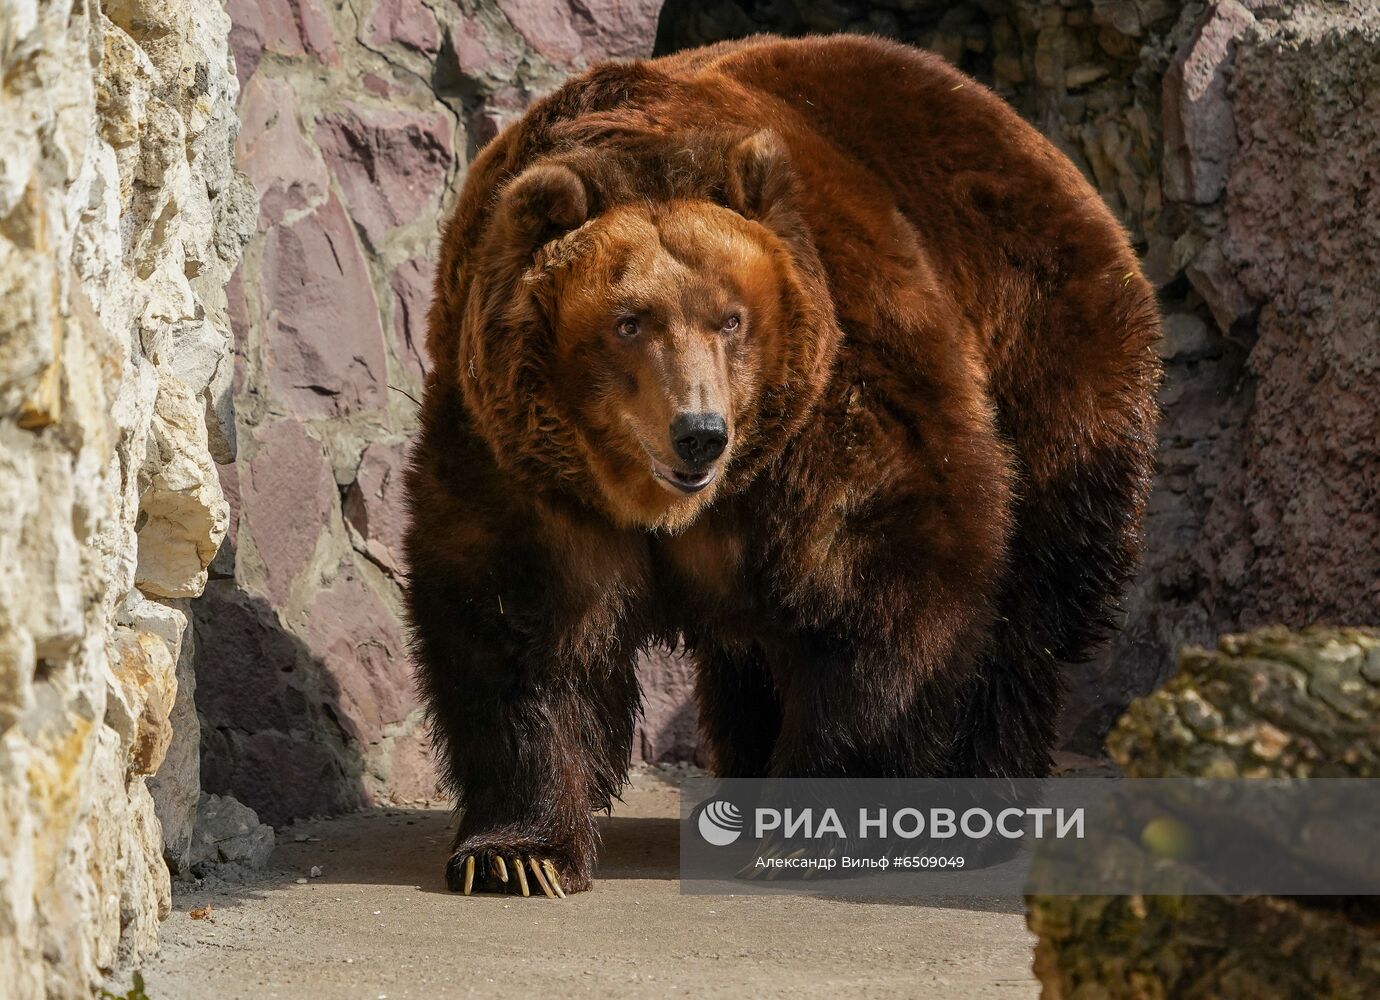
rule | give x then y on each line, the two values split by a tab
811	355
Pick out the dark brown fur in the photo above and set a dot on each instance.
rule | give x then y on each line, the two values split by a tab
936	484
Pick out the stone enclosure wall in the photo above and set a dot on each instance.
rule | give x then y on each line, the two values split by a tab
358	119
121	218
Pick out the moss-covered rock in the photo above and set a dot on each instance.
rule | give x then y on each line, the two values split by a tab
1209	947
1268	704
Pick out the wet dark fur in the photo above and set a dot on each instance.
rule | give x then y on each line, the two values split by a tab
933	516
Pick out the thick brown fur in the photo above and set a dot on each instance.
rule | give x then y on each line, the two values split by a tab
942	442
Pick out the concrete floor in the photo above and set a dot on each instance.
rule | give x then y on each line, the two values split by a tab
379	923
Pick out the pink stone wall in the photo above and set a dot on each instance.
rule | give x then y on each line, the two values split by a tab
1295	531
358	119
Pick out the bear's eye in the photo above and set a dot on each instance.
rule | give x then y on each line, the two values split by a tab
627	327
732	323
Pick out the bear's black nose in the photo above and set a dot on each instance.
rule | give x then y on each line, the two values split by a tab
699	438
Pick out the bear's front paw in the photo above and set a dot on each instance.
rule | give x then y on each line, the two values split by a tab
521	868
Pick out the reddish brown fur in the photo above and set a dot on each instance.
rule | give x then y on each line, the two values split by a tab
943	432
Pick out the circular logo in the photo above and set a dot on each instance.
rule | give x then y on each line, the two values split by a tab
721	823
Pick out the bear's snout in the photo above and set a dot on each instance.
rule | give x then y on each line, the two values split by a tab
699	438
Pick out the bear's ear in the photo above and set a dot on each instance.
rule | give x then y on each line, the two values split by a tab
542	203
761	180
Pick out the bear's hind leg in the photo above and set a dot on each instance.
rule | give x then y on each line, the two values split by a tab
853	708
1007	725
740	715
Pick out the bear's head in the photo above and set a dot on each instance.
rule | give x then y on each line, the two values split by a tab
654	353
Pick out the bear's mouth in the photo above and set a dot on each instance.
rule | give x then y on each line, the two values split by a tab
686	483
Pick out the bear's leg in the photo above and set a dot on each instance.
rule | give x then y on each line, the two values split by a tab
1009	714
853	707
532	739
532	769
531	764
740	715
845	717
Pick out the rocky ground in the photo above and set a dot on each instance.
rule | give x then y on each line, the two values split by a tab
378	923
